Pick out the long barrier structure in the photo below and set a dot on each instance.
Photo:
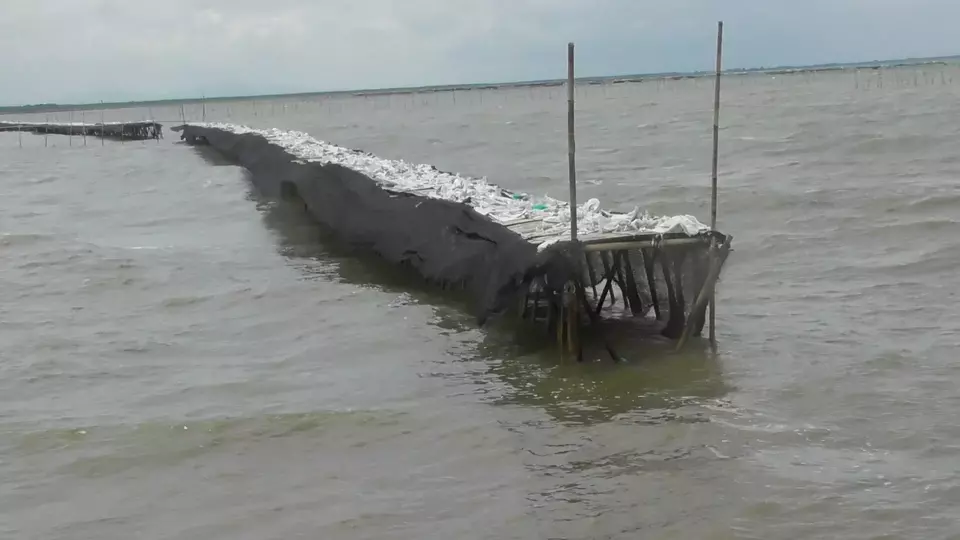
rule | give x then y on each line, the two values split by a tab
549	261
509	251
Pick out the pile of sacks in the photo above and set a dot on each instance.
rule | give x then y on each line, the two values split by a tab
486	198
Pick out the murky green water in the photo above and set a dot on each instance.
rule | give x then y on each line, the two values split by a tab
182	360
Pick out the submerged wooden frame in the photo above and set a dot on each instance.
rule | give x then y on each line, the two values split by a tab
665	279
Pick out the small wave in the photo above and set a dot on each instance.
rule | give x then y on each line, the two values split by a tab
935	202
917	262
117	448
902	229
22	239
157	221
183	301
880	144
44	179
794	136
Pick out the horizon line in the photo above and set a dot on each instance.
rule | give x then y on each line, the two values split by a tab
637	77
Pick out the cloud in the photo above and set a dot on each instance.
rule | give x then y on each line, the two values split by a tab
91	50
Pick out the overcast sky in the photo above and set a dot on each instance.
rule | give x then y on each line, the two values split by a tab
91	50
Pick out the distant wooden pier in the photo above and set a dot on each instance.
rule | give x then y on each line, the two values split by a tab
129	131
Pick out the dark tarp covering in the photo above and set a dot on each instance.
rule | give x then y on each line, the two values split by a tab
447	243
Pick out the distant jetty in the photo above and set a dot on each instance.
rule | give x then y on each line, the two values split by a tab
130	131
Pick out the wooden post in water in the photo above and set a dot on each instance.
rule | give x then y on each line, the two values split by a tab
716	159
203	105
571	144
718	255
71	128
83	126
152	119
102	138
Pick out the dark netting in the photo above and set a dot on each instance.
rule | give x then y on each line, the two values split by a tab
447	243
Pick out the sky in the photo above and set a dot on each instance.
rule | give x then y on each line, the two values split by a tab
85	51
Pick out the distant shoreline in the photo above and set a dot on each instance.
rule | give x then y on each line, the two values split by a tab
608	79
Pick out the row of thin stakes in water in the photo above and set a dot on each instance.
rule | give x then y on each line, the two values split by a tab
490	99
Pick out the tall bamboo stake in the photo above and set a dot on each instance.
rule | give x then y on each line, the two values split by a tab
71	128
571	144
717	257
103	139
716	158
83	126
152	119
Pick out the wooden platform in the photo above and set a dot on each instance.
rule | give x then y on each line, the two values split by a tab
667	281
130	131
662	281
533	231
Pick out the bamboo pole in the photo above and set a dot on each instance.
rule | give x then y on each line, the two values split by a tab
71	128
716	159
636	305
718	256
610	276
618	277
571	144
573	321
553	314
590	272
83	126
569	317
649	267
678	259
102	138
640	244
594	320
607	272
152	119
536	304
675	323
